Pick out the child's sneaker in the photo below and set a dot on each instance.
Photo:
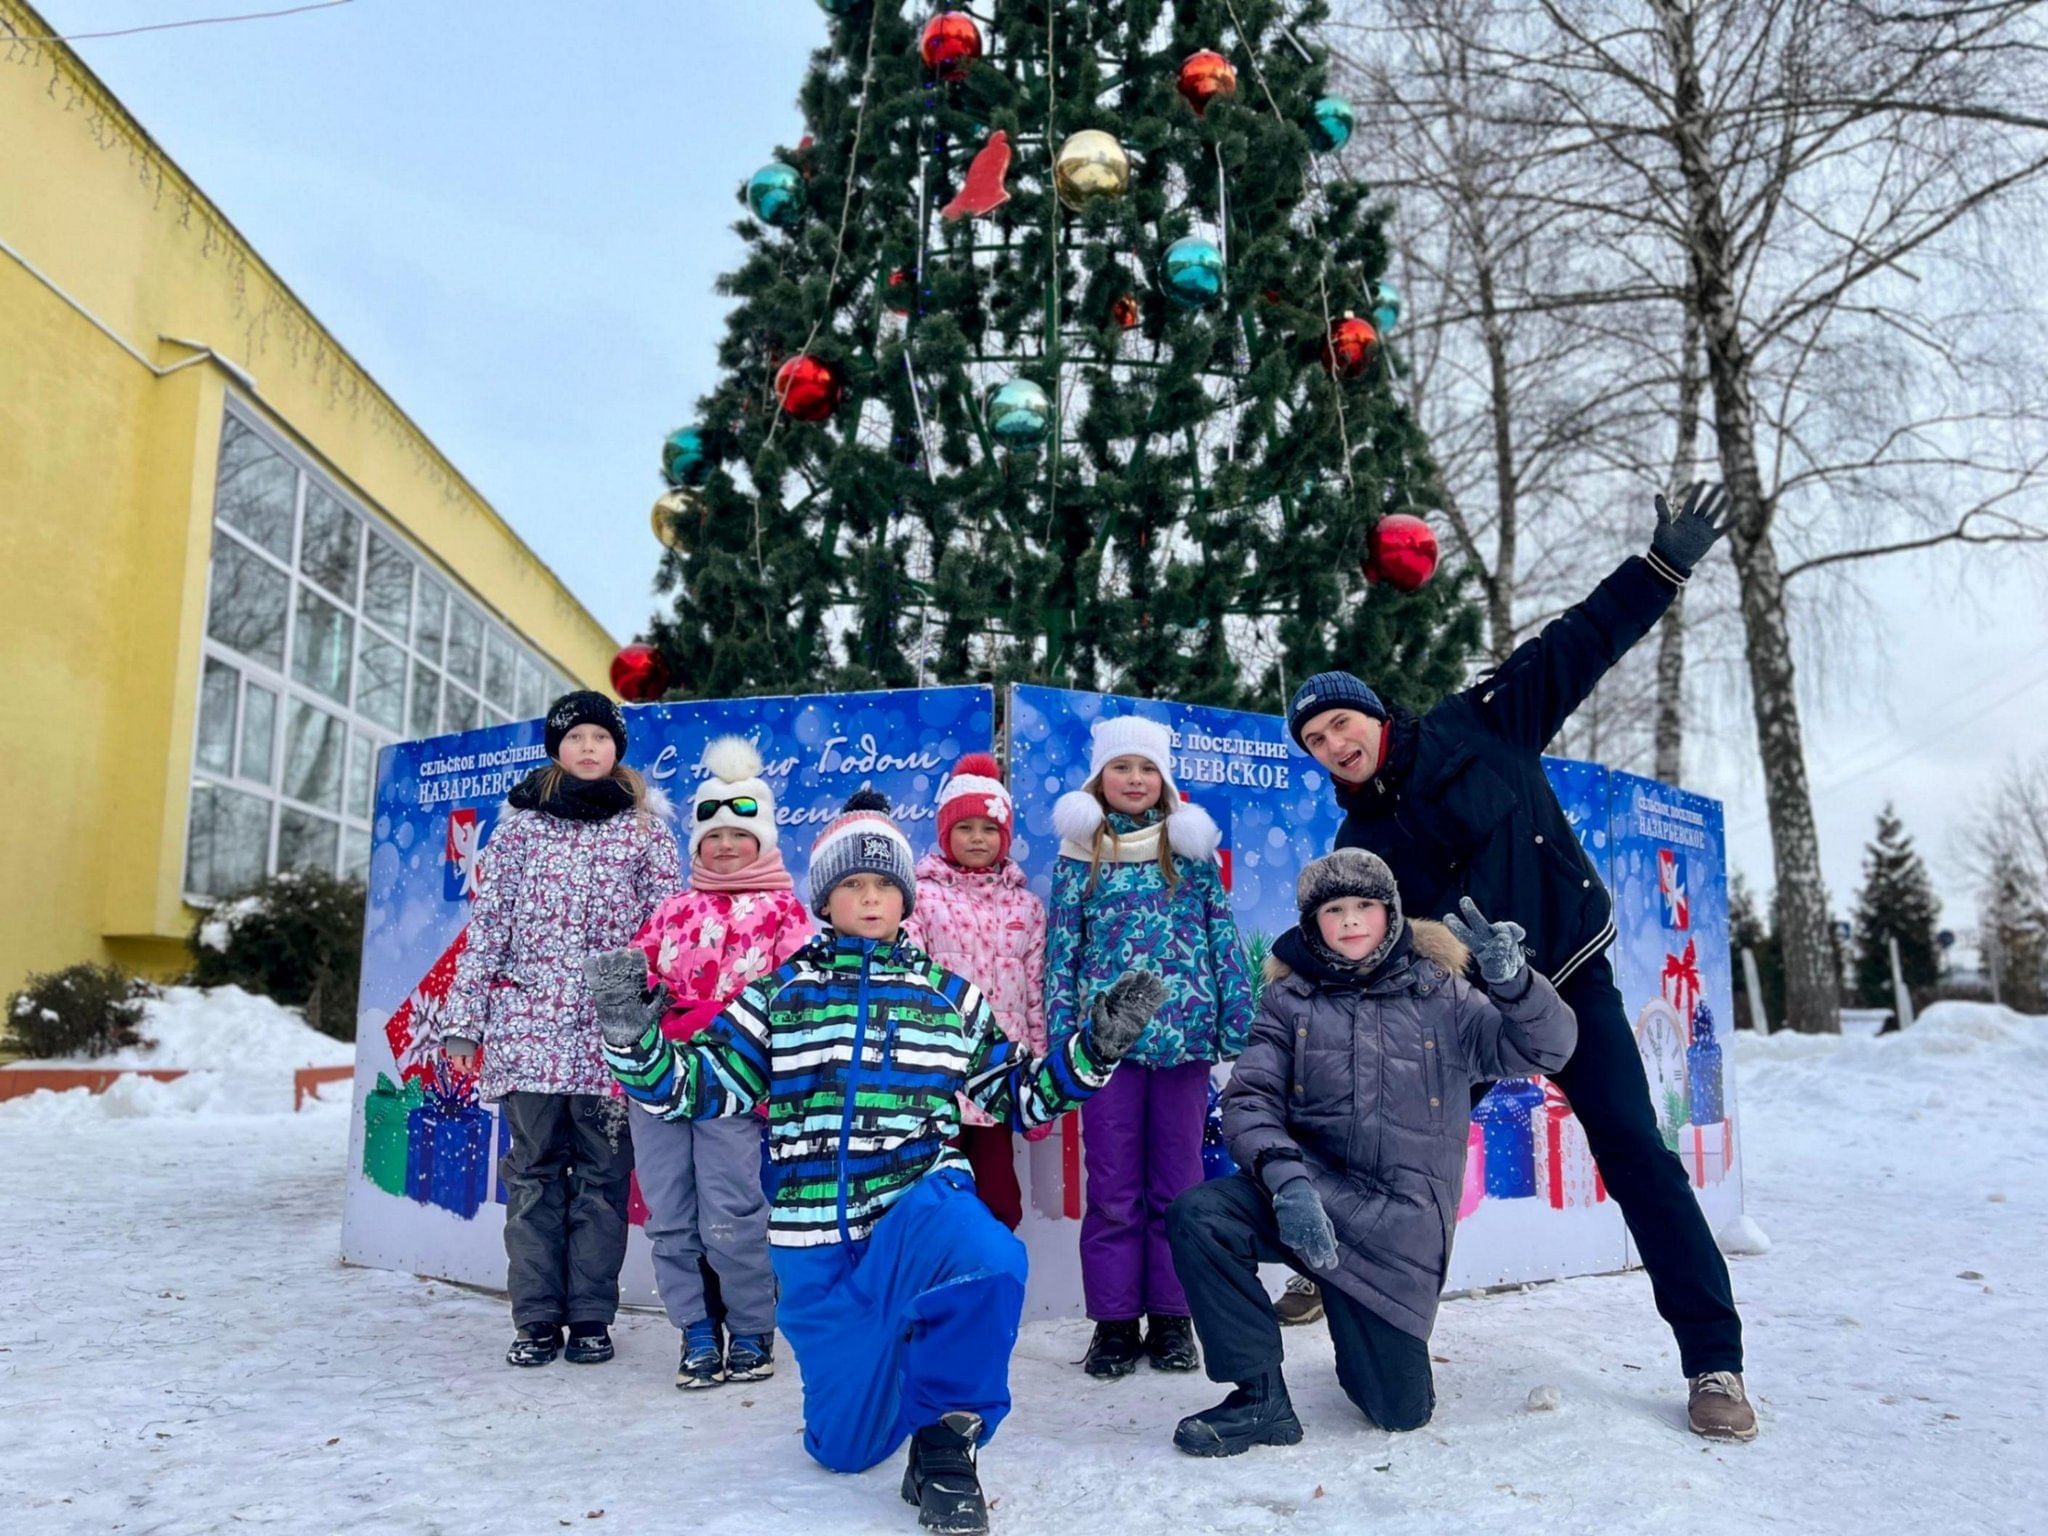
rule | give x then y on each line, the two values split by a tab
1114	1351
941	1480
750	1357
1301	1302
535	1344
589	1344
1170	1343
703	1357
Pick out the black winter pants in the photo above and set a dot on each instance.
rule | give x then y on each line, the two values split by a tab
1221	1232
1611	1096
566	1181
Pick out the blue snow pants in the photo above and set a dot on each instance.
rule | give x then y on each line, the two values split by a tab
913	1322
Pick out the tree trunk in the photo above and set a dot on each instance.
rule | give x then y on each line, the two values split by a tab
1812	983
1500	592
1671	628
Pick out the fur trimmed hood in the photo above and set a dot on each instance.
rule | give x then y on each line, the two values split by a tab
1190	831
1431	940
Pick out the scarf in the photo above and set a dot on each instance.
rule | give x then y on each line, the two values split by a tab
576	799
1302	949
1136	840
764	874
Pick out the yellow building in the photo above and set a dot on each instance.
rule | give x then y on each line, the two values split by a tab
231	567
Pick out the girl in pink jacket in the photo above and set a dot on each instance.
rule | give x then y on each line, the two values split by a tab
980	921
737	920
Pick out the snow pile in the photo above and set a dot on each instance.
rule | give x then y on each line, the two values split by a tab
238	1052
1955	1054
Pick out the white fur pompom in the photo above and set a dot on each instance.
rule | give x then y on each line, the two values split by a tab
1193	832
732	758
659	806
1076	815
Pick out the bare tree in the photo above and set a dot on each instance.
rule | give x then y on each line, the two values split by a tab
1803	179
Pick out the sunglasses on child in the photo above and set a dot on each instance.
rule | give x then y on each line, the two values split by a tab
742	805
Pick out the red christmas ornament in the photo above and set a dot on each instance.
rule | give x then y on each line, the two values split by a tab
639	674
808	389
1125	311
1350	346
949	43
1204	76
1401	552
902	287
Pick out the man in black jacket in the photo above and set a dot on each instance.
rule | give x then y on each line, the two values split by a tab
1456	801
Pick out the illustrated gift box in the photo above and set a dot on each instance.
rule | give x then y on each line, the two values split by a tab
414	1029
1217	1163
1707	1151
387	1113
1507	1117
1565	1171
450	1140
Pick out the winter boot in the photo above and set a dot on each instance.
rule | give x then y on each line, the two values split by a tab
1257	1413
941	1480
1718	1408
703	1356
1114	1351
750	1357
1301	1302
1170	1343
589	1344
535	1344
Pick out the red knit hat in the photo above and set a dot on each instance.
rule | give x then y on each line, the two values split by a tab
974	788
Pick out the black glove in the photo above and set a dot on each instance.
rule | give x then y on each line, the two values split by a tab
1304	1224
1496	946
1683	537
1122	1012
625	1005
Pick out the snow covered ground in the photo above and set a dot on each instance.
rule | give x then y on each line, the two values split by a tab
186	1353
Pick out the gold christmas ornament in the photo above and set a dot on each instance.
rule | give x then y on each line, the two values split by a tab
679	518
1089	167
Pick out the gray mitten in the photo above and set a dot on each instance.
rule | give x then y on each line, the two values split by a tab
625	1007
1122	1012
1496	946
1683	537
1305	1225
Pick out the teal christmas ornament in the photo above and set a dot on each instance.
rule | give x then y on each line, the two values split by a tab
776	194
1019	414
686	457
1191	272
1386	306
1330	122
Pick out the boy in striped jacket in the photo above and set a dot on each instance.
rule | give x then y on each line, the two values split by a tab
860	1047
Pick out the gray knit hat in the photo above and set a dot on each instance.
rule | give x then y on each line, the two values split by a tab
862	840
1348	872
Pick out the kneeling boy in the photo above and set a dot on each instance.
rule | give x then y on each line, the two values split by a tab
900	1293
1349	1112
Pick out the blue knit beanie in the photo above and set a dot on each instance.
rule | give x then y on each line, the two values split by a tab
1330	690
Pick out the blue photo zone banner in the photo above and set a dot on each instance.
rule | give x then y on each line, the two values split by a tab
1534	1205
416	1197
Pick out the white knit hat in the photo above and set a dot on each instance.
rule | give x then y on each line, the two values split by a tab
1117	736
735	765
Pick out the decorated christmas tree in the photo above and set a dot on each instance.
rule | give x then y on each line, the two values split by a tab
1063	352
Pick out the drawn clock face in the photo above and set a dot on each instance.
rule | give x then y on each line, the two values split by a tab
1660	1038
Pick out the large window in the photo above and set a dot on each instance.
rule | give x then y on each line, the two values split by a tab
326	638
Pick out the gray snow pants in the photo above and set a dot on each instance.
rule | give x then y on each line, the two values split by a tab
701	1180
566	1181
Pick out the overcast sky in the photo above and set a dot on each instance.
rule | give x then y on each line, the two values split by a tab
513	215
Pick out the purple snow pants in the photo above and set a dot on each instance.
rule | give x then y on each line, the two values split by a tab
1141	1142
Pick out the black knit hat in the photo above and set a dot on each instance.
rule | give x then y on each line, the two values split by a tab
1348	872
584	707
1327	691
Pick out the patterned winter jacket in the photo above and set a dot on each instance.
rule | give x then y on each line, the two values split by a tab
704	946
986	925
1186	936
859	1049
549	892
